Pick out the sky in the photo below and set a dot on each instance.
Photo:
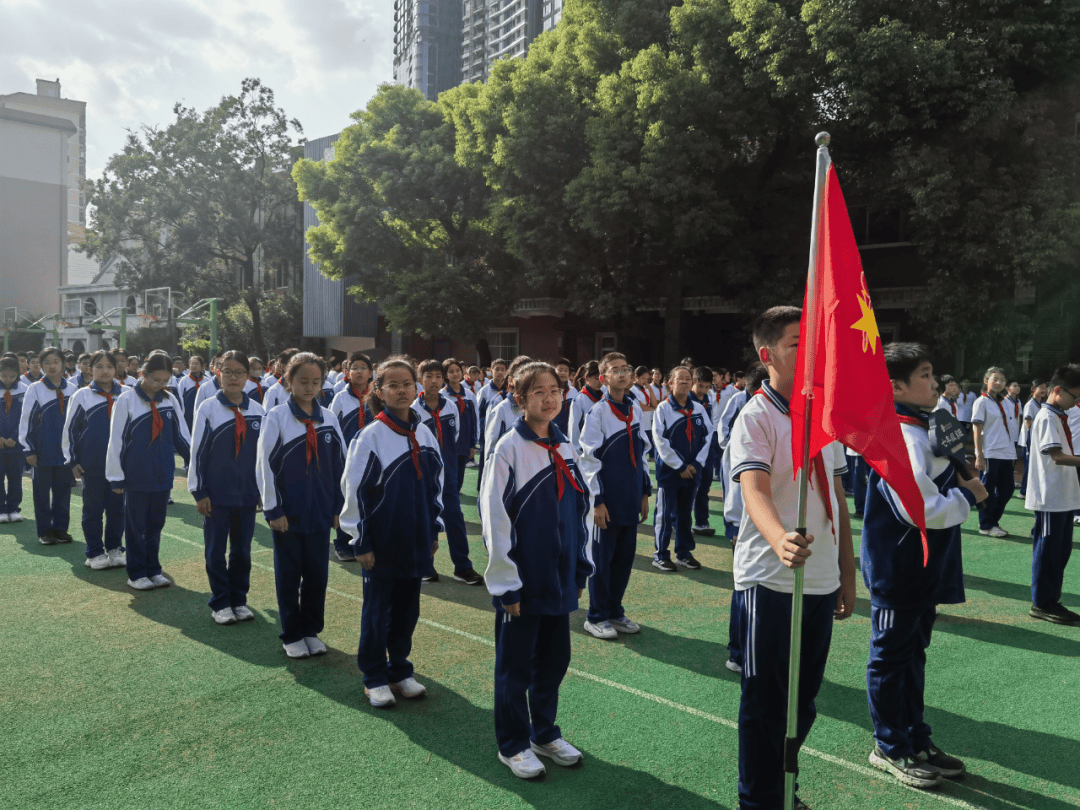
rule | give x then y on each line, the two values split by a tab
132	61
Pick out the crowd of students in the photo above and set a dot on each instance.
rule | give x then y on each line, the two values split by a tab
568	461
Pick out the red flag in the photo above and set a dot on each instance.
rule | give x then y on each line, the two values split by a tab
853	400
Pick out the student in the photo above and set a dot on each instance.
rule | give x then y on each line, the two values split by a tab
83	375
1054	496
33	372
24	365
41	433
300	463
569	392
213	388
222	481
615	466
353	415
681	430
178	368
254	388
145	434
133	366
1013	411
965	402
393	486
11	453
995	452
1039	392
475	381
490	396
278	393
950	398
701	394
70	365
767	551
659	383
589	393
904	593
468	415
188	388
86	447
440	415
535	511
501	417
647	398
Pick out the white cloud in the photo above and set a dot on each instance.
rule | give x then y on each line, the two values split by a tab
131	60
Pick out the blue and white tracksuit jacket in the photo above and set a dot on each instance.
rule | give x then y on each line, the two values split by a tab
468	417
675	452
134	463
217	471
605	461
41	424
348	409
579	409
86	431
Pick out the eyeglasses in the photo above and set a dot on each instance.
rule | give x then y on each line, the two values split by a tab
396	388
234	374
618	372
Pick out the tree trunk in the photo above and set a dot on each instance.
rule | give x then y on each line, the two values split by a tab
251	298
673	319
483	351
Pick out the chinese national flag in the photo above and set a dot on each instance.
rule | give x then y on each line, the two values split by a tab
853	400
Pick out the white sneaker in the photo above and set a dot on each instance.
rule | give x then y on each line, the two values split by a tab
524	765
603	630
14	517
997	531
160	581
1076	521
624	625
409	688
243	613
118	558
560	751
4	518
98	563
224	616
380	697
296	649
315	647
141	584
731	665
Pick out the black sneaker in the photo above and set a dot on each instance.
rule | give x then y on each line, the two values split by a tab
703	531
1055	613
469	577
907	770
433	578
689	563
62	537
941	762
48	538
664	565
344	556
858	514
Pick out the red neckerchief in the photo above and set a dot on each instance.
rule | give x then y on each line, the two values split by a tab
1016	408
460	399
1000	406
627	420
647	393
414	445
911	420
312	439
59	394
687	412
241	429
819	471
258	392
435	415
952	404
108	395
198	381
156	422
360	398
562	469
1068	431
7	400
565	391
588	392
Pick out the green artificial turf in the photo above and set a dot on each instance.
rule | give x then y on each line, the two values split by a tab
115	699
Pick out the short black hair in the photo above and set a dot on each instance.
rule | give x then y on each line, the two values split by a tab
902	359
1067	376
1036	383
769	326
641	370
755	377
562	361
429	365
9	364
739	375
945	379
703	374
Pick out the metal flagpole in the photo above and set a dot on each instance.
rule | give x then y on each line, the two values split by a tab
809	340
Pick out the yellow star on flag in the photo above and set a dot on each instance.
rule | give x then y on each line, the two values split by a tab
867	323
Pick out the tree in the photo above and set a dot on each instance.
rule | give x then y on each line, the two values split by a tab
206	205
407	225
283	324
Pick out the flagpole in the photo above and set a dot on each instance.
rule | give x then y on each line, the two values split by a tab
791	737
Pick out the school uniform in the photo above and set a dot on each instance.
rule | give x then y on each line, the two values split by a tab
81	380
327	395
858	474
353	415
340	386
1054	496
500	419
965	405
223	466
41	434
733	502
256	391
468	426
950	406
276	394
536	531
646	396
29	380
579	409
705	477
761	440
716	410
1031	410
681	437
129	381
904	592
615	467
393	487
187	390
562	421
444	423
1013	410
145	434
86	444
301	458
12	459
212	388
489	397
999	450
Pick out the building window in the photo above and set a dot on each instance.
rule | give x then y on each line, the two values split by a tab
78	347
503	343
606	342
90	307
129	305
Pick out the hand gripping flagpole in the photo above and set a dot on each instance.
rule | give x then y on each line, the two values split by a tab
809	340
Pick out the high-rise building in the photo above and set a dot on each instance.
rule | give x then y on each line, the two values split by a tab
48	101
498	29
427	45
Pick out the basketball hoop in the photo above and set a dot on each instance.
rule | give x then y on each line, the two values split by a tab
64	324
147	318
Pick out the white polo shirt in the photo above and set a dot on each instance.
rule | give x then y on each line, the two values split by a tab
1031	410
1051	487
964	404
761	440
1014	415
998	443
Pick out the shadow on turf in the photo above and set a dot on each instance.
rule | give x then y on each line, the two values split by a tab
1044	756
451	727
1010	590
